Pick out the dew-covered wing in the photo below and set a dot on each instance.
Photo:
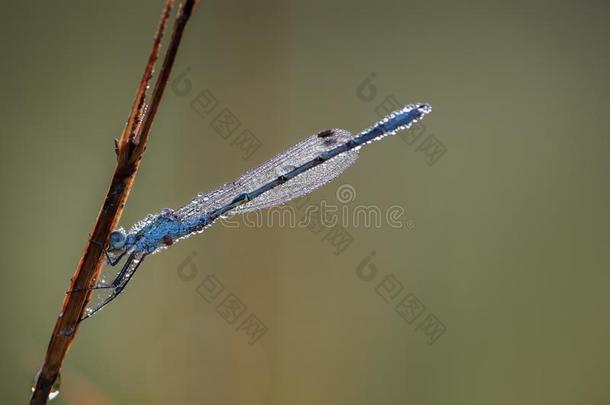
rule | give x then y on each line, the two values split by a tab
281	164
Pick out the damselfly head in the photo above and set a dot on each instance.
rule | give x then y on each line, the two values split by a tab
117	239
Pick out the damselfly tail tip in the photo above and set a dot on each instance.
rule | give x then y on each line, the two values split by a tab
403	118
424	108
412	112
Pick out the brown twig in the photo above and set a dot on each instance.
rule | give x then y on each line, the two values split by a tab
129	148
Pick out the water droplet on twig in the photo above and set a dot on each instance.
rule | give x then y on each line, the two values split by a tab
54	389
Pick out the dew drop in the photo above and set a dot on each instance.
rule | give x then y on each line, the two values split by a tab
67	331
167	212
282	170
54	389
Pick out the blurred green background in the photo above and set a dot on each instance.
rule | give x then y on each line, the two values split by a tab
506	243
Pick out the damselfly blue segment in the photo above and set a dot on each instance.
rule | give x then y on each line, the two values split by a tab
289	175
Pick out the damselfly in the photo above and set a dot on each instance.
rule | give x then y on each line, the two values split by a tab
294	173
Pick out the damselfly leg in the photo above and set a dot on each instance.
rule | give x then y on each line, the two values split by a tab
117	285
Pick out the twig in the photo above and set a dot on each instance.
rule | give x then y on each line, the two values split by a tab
129	148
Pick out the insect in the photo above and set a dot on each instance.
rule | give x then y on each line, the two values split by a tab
291	174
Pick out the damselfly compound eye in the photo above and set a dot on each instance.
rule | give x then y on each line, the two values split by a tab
117	238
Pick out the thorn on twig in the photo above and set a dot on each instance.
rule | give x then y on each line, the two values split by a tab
116	146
